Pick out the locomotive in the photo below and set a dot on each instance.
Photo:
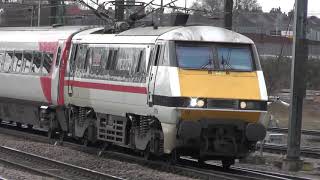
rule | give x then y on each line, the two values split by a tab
180	91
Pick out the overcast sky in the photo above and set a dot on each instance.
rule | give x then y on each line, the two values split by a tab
286	5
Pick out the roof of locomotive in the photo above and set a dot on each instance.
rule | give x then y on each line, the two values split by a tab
146	35
177	33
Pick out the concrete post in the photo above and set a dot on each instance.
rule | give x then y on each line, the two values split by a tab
298	86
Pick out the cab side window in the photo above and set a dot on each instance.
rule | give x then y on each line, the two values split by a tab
98	56
80	59
157	55
74	51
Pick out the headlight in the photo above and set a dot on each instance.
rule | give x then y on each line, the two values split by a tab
193	102
200	103
243	105
253	105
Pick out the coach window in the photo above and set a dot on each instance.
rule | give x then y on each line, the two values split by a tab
23	62
2	59
8	61
14	61
36	64
17	62
28	59
47	63
58	57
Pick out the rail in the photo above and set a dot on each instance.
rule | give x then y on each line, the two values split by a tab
188	167
312	152
303	131
49	167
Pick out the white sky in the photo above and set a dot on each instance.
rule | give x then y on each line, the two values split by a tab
286	5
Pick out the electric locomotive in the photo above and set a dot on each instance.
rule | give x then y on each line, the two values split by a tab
183	90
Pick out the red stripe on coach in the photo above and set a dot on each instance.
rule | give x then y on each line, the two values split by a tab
62	70
109	87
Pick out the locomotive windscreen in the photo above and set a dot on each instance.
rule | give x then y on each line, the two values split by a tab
215	56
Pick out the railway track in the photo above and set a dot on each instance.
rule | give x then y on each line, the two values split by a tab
186	167
311	152
49	167
303	131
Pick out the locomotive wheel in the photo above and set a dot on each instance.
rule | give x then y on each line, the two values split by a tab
85	139
50	134
174	157
105	147
226	163
29	126
61	136
18	125
201	162
146	153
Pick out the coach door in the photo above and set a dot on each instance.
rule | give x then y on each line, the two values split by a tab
153	69
55	73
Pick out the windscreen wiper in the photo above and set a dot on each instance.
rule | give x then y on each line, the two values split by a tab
226	63
209	63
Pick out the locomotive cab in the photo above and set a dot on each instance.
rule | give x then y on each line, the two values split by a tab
225	105
209	96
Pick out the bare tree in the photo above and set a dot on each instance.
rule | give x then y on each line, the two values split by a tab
218	5
208	5
247	5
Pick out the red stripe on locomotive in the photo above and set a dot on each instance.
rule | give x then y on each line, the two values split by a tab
109	87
